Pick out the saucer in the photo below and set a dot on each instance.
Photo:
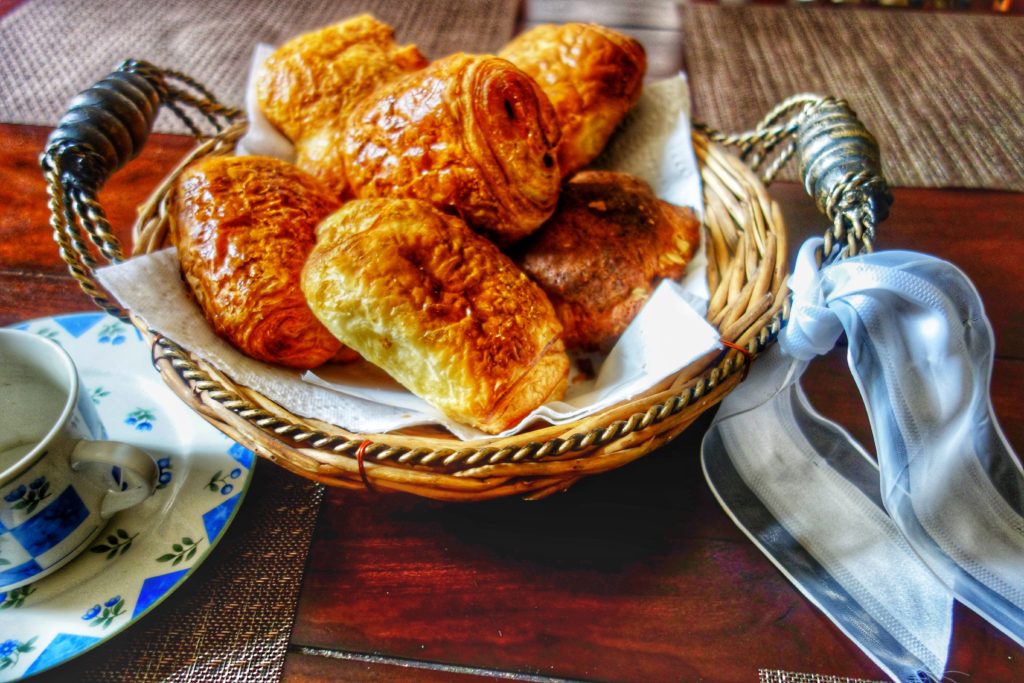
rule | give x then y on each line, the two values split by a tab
146	552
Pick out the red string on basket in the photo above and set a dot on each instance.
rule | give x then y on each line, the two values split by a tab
360	452
746	354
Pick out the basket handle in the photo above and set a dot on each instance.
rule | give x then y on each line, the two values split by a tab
105	127
840	164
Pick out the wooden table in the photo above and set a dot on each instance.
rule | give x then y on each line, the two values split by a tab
636	575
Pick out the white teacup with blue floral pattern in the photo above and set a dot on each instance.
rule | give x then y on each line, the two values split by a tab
59	479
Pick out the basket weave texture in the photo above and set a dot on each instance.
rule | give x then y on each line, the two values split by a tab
746	248
747	267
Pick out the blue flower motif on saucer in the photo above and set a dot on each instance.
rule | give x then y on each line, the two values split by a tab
103	616
11	650
220	482
112	334
165	474
142	419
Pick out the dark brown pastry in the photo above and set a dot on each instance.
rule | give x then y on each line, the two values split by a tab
591	74
439	308
599	258
243	227
472	135
308	85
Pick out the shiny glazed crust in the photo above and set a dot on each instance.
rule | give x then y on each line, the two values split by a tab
243	227
438	307
599	258
308	85
591	74
472	135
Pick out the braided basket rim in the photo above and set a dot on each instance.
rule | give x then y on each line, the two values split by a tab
746	247
747	270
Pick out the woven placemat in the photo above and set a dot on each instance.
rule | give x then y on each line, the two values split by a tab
52	49
778	676
943	92
232	619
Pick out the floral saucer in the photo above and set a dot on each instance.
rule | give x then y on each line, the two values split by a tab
146	552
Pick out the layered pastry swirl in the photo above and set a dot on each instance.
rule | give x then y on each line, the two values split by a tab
471	135
592	75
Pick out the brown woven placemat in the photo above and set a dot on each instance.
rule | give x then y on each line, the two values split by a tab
778	676
943	92
52	49
231	620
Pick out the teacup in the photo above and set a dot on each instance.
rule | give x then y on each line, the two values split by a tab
60	480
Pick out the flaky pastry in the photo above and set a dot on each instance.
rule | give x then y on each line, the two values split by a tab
599	258
243	227
308	85
472	135
439	308
591	74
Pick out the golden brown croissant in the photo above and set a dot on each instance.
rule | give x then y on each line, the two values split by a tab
472	135
591	74
243	227
600	256
308	85
419	294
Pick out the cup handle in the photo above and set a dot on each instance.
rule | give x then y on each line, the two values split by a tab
130	459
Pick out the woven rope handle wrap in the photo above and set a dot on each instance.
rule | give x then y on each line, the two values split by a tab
839	161
842	169
105	127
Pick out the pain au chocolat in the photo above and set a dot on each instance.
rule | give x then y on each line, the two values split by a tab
439	308
472	135
592	75
307	87
599	258
243	227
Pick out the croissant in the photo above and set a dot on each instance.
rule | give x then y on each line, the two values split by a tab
472	135
243	227
609	243
308	85
438	307
591	74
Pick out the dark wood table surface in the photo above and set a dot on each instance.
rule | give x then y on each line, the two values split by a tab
635	575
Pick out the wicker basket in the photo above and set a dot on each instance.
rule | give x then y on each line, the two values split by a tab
107	125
